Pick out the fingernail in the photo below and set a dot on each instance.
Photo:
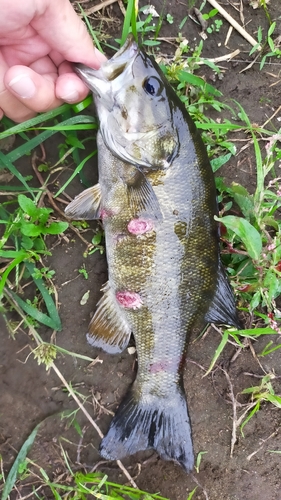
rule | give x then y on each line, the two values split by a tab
101	58
23	86
72	96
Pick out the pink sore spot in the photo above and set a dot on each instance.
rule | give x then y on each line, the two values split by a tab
167	365
130	300
104	213
139	226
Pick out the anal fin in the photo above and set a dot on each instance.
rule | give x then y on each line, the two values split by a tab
108	329
223	308
85	205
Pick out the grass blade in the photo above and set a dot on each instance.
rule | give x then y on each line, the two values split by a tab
50	305
12	476
34	313
7	162
218	351
21	127
20	258
76	171
130	21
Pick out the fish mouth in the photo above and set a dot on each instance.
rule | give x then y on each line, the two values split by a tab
96	79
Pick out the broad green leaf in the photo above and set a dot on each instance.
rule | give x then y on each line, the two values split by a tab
184	76
248	234
272	28
27	205
246	205
255	301
220	161
30	229
56	227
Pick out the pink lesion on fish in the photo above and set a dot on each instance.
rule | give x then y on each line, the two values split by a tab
129	300
140	226
167	365
106	213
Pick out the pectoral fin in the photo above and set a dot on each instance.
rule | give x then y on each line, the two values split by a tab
223	309
109	329
85	205
141	196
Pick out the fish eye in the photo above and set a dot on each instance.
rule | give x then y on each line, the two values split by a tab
152	86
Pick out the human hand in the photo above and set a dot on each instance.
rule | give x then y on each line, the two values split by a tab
38	40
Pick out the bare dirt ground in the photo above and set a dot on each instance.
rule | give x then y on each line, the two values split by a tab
29	394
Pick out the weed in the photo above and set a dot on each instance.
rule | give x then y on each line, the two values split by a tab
198	460
262	393
275	51
83	271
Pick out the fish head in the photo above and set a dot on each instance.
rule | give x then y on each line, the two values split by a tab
135	114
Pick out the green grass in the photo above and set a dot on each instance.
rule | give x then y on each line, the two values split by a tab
251	231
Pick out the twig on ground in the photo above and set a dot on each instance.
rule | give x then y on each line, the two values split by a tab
250	65
228	35
122	8
79	447
234	410
188	360
100	6
34	491
202	21
200	486
51	200
70	390
261	447
234	23
226	57
101	407
272	116
96	427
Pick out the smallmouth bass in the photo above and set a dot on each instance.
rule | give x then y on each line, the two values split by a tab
157	199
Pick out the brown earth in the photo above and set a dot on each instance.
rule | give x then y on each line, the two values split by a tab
29	394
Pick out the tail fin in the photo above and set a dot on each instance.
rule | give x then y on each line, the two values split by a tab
144	422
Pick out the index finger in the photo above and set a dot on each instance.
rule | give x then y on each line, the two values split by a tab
59	25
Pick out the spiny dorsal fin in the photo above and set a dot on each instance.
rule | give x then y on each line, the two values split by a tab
108	329
85	205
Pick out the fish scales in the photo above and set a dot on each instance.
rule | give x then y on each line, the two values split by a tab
157	199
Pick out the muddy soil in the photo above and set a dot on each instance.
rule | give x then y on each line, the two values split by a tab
29	394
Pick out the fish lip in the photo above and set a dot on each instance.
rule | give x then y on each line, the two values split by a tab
129	45
111	68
